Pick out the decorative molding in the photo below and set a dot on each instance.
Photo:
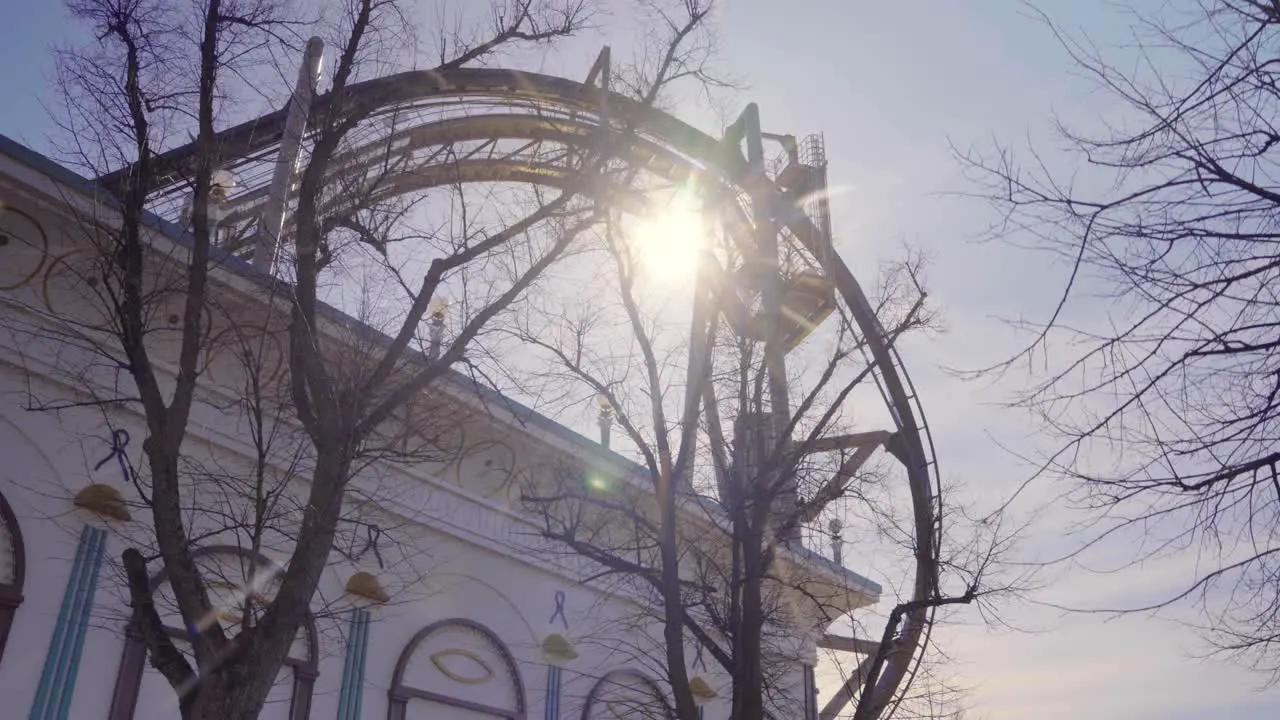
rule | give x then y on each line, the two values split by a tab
74	268
400	694
701	689
439	660
32	236
366	585
62	663
613	679
557	649
103	500
351	696
553	692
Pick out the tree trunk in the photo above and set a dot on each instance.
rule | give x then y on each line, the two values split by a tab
750	666
672	605
229	694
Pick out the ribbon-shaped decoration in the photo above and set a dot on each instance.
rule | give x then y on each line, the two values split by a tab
559	612
119	441
372	534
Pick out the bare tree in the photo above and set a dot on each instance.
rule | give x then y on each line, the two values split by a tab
158	72
359	236
1166	405
708	529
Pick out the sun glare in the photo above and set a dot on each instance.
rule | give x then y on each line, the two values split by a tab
670	239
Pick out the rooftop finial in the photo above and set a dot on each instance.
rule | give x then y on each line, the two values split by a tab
605	418
439	306
837	540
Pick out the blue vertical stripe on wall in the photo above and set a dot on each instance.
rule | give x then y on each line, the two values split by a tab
351	697
553	692
62	664
360	658
63	708
345	696
38	708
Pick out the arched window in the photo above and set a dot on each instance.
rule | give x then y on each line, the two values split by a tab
624	695
13	569
456	664
230	574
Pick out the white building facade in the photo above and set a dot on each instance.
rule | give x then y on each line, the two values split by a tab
465	612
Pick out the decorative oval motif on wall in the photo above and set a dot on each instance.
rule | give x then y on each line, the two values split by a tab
72	286
458	651
24	247
427	432
486	468
226	358
462	666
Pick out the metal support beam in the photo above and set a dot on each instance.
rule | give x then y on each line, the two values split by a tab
601	73
835	486
267	248
841	643
600	70
845	694
874	438
765	272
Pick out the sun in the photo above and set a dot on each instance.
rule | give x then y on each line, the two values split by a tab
669	240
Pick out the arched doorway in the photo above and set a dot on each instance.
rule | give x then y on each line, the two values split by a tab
13	569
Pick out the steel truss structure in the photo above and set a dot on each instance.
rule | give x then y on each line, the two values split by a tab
426	129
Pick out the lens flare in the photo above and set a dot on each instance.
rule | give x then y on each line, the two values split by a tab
669	240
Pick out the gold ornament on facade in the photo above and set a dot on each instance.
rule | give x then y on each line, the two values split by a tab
103	500
366	585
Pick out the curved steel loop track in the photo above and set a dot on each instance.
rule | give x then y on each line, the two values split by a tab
491	105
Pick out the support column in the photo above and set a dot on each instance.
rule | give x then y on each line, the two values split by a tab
766	269
267	249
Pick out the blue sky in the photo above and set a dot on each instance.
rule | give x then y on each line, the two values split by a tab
891	84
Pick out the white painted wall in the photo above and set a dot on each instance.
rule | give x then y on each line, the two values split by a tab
47	458
470	554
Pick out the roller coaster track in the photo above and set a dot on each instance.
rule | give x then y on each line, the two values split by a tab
498	125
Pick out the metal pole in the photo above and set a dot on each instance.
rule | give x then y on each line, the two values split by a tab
768	272
837	540
267	249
